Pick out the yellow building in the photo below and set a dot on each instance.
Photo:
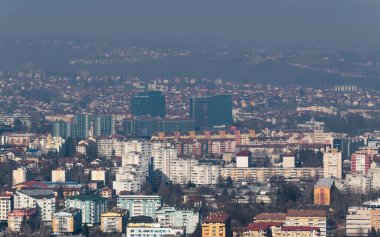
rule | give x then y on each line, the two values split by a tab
113	222
67	221
217	224
322	192
270	217
310	218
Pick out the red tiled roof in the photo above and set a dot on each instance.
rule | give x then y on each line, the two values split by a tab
257	226
243	153
216	218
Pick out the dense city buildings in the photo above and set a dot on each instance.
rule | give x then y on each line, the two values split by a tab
150	103
183	155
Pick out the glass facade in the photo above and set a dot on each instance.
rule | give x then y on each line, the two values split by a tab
211	112
150	103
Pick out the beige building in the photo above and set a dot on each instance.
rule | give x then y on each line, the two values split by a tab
311	218
19	176
58	175
67	221
332	164
360	220
98	175
6	205
113	222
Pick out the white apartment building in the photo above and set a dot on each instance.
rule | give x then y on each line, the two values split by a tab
134	171
171	217
6	205
108	146
332	164
42	200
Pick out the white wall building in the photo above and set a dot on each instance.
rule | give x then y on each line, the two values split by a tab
332	164
6	205
42	200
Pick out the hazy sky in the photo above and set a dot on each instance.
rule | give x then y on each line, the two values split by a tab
275	22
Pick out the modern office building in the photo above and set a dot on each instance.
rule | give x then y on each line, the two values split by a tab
61	129
139	205
80	128
68	221
104	126
148	126
212	112
150	103
91	206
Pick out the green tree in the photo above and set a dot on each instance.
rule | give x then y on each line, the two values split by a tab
230	183
68	149
91	151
